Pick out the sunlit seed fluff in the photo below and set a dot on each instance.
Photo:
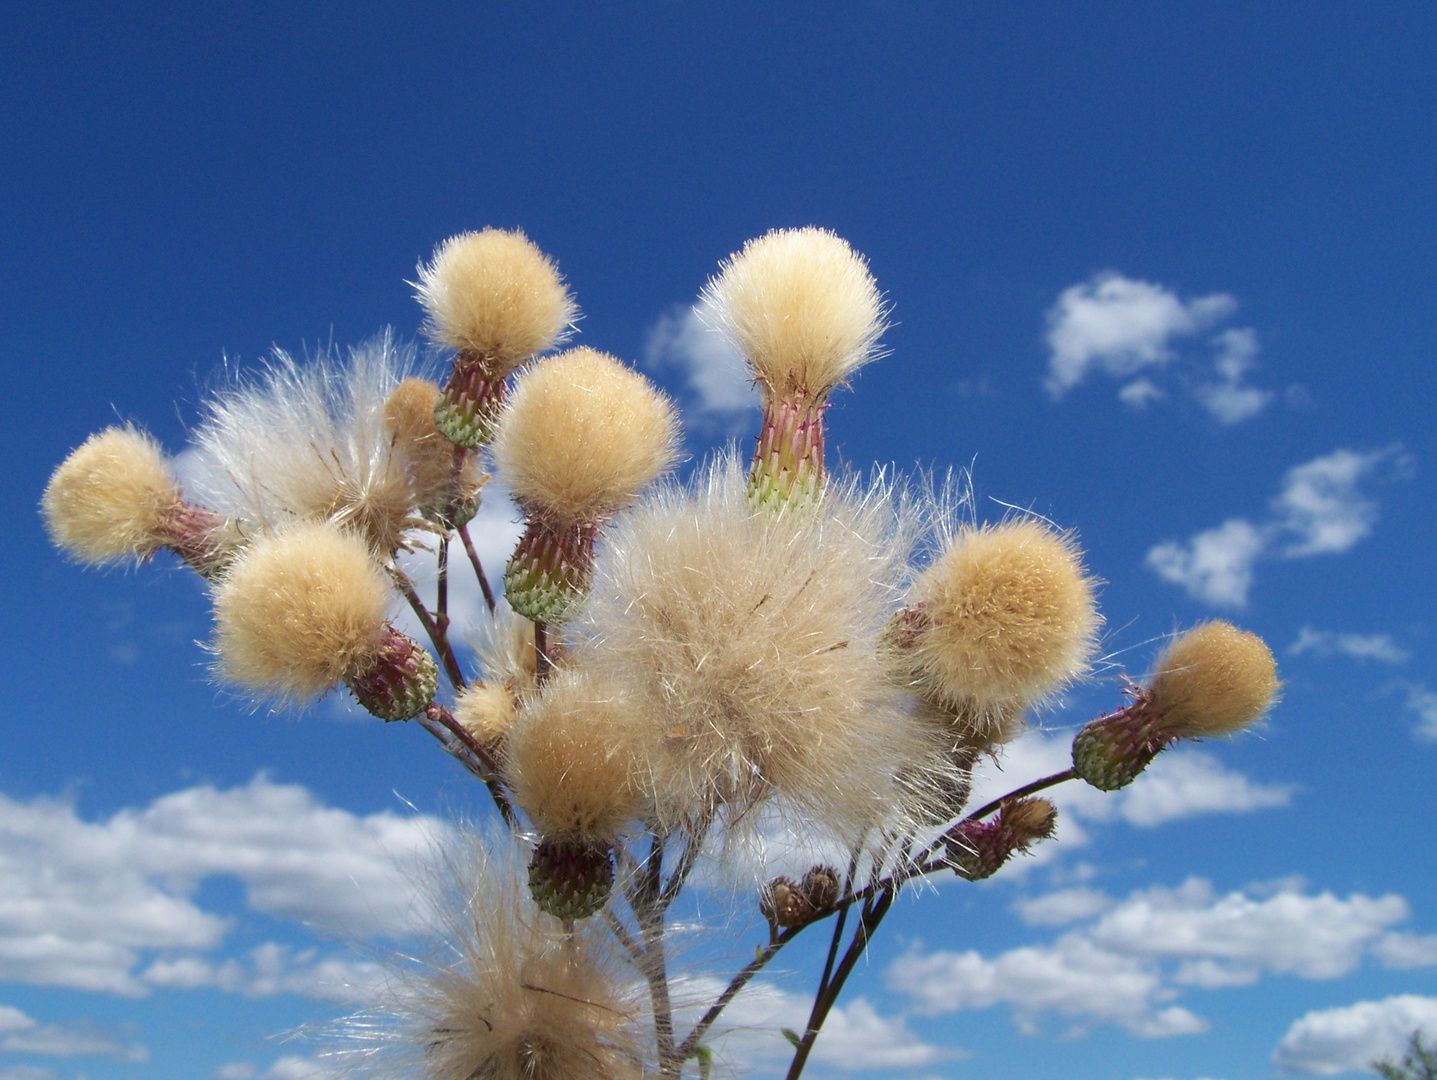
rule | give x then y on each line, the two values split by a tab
108	499
439	480
572	755
582	436
802	307
486	711
309	441
511	994
299	610
495	294
1213	680
1005	616
748	640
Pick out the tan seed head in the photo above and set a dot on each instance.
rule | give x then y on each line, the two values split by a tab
1213	680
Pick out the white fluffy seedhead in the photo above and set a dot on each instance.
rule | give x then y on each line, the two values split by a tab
511	993
107	500
310	442
299	610
494	294
572	756
748	639
582	436
1001	619
802	306
1213	680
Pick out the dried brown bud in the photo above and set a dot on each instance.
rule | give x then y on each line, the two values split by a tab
977	849
788	903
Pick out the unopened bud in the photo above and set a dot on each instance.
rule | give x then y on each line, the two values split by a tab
978	849
550	571
469	405
788	903
401	680
571	879
788	460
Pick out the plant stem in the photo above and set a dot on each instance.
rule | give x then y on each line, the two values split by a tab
440	722
644	899
438	638
693	847
1018	793
463	531
737	983
542	665
441	603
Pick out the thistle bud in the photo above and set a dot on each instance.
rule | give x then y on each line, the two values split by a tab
582	436
803	308
788	903
114	498
1004	617
1213	680
978	849
571	879
401	680
498	300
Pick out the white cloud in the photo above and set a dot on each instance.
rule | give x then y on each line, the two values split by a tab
1128	964
855	1037
1120	326
235	1070
1423	703
1379	647
1326	1042
1320	506
720	394
1228	398
1063	907
1404	950
1215	566
1318	511
300	1068
22	1034
1140	393
271	969
84	904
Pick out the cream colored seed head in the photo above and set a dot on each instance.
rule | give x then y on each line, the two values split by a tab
802	306
429	456
1009	616
486	711
299	610
105	501
582	436
1213	680
570	757
494	293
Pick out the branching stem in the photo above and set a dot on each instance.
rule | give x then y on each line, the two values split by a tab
463	531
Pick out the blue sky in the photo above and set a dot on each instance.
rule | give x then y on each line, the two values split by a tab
1163	273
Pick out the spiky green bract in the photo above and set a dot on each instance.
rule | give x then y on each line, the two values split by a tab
400	682
546	577
310	442
571	879
747	641
510	993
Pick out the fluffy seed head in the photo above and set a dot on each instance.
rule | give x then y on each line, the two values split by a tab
107	500
1213	680
1003	617
309	442
571	757
582	436
511	995
493	293
747	639
802	306
486	711
435	480
298	610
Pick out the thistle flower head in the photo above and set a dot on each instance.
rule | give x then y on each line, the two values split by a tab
571	755
802	306
445	481
1005	616
299	610
496	295
513	995
1213	680
108	500
582	436
747	641
310	442
486	711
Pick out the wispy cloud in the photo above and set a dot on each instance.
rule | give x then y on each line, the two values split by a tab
1422	703
1128	330
1326	1042
1127	961
1319	510
716	383
22	1034
1380	647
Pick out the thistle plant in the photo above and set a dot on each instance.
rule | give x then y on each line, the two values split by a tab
674	664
